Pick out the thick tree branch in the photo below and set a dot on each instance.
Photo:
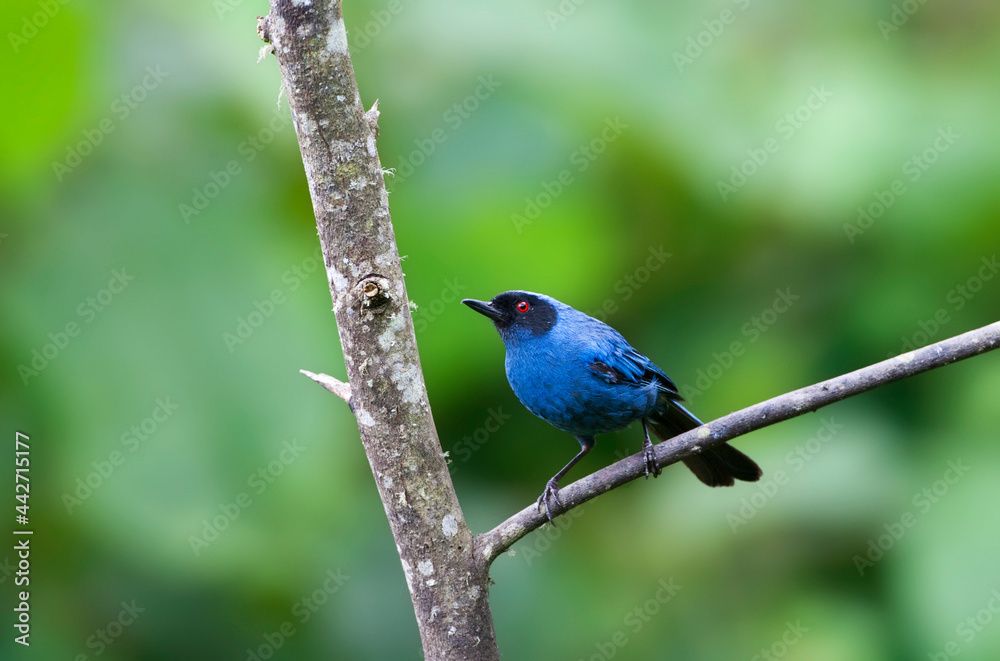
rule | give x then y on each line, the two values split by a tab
386	390
491	544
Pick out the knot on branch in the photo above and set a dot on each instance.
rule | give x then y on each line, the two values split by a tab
372	118
264	28
373	293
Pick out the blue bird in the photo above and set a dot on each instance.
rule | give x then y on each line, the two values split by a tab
581	376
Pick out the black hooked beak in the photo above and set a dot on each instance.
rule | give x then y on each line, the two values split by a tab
484	308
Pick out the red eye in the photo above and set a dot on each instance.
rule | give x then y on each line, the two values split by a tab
523	306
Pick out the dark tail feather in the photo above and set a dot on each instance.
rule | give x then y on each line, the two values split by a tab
719	465
716	466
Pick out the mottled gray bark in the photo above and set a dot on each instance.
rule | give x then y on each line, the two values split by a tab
805	400
447	583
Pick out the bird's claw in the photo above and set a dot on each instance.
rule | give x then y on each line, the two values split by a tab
551	493
651	467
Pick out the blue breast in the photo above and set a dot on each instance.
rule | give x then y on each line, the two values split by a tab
552	377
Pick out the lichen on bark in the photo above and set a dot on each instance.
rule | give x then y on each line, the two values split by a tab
447	583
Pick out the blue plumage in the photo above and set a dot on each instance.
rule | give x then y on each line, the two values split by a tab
552	374
581	376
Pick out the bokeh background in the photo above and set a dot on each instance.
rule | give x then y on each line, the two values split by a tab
153	197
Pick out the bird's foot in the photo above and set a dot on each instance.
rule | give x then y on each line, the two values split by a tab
549	496
647	454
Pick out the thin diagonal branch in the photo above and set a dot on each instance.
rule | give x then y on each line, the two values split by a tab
491	544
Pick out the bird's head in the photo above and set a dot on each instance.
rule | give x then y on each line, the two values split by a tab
518	314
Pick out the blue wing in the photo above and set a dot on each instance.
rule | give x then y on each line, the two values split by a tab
615	361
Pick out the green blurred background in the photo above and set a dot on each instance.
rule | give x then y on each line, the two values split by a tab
583	159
